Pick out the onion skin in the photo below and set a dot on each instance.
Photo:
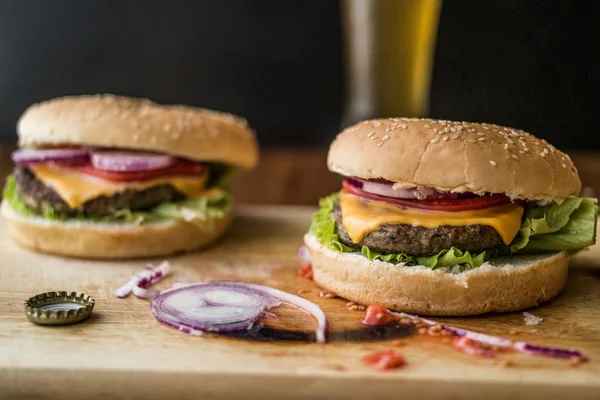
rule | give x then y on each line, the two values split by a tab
138	283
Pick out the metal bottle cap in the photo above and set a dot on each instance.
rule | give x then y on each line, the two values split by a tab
59	308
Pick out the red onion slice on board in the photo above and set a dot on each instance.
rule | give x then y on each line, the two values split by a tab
220	306
128	161
36	156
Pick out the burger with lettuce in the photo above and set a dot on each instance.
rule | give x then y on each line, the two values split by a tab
114	177
448	218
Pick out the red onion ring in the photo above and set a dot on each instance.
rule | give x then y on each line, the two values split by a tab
36	156
207	307
386	189
522	347
138	283
128	161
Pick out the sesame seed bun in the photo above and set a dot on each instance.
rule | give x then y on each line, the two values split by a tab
505	284
91	240
456	157
139	124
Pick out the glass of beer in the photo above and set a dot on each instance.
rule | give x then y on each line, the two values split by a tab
389	50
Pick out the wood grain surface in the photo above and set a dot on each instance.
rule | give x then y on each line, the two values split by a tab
300	176
122	352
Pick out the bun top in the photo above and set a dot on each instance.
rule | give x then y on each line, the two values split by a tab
454	156
139	124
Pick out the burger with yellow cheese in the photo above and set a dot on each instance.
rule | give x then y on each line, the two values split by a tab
448	218
115	177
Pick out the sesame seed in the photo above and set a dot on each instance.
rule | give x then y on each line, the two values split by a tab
552	149
563	165
505	146
427	126
387	129
433	122
453	129
562	158
460	128
543	154
472	130
446	129
380	144
434	140
370	135
386	137
481	139
522	151
510	141
485	127
481	133
516	157
443	123
493	163
376	123
445	138
454	137
472	140
435	130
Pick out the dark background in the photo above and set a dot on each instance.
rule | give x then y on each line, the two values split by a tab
523	63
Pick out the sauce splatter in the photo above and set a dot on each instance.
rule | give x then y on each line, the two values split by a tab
384	360
306	272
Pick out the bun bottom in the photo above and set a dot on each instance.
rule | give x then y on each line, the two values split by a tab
505	284
109	241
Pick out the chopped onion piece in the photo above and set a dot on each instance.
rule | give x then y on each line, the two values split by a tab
304	254
139	283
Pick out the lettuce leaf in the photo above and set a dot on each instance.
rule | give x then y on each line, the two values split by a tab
323	228
202	210
569	226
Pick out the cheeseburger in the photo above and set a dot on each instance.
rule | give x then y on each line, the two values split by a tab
114	177
446	218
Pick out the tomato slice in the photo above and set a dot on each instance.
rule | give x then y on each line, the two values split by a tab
472	203
180	167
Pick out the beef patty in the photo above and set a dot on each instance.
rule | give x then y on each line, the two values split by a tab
39	197
421	241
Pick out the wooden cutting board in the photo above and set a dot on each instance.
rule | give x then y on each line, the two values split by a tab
122	352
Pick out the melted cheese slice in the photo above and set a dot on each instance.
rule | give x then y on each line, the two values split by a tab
360	217
76	188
